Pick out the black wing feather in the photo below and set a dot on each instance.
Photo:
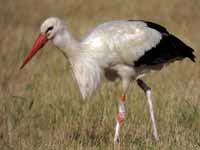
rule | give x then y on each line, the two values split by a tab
169	48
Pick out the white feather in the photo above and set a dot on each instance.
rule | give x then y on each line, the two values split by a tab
87	73
114	45
130	40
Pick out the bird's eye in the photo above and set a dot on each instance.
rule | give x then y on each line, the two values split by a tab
49	29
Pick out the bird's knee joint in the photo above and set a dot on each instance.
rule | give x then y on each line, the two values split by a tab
143	85
148	89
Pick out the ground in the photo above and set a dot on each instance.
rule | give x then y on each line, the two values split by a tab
41	107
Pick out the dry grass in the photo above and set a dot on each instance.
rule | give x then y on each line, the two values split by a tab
41	108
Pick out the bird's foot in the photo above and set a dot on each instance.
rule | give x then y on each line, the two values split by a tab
156	137
116	140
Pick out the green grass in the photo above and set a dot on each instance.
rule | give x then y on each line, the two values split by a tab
70	123
41	107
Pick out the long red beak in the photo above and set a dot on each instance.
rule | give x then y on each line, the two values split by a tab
39	43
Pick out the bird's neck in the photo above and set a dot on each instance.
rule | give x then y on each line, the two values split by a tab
69	46
86	71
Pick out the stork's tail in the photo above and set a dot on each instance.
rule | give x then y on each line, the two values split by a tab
168	50
181	48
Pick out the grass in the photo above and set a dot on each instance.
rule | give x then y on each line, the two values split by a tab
41	107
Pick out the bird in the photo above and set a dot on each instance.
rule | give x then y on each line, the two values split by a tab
119	49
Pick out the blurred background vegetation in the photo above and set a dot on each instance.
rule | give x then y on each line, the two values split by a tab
40	106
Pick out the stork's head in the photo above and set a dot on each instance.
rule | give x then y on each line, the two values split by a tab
48	30
51	26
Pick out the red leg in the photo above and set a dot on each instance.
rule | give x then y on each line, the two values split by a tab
120	117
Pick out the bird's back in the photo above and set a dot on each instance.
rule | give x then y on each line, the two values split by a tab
136	42
127	40
126	49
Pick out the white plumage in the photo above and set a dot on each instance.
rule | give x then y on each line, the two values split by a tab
105	47
124	49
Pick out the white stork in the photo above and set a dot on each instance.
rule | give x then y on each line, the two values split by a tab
124	49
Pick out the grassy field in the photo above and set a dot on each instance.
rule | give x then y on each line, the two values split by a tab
41	107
